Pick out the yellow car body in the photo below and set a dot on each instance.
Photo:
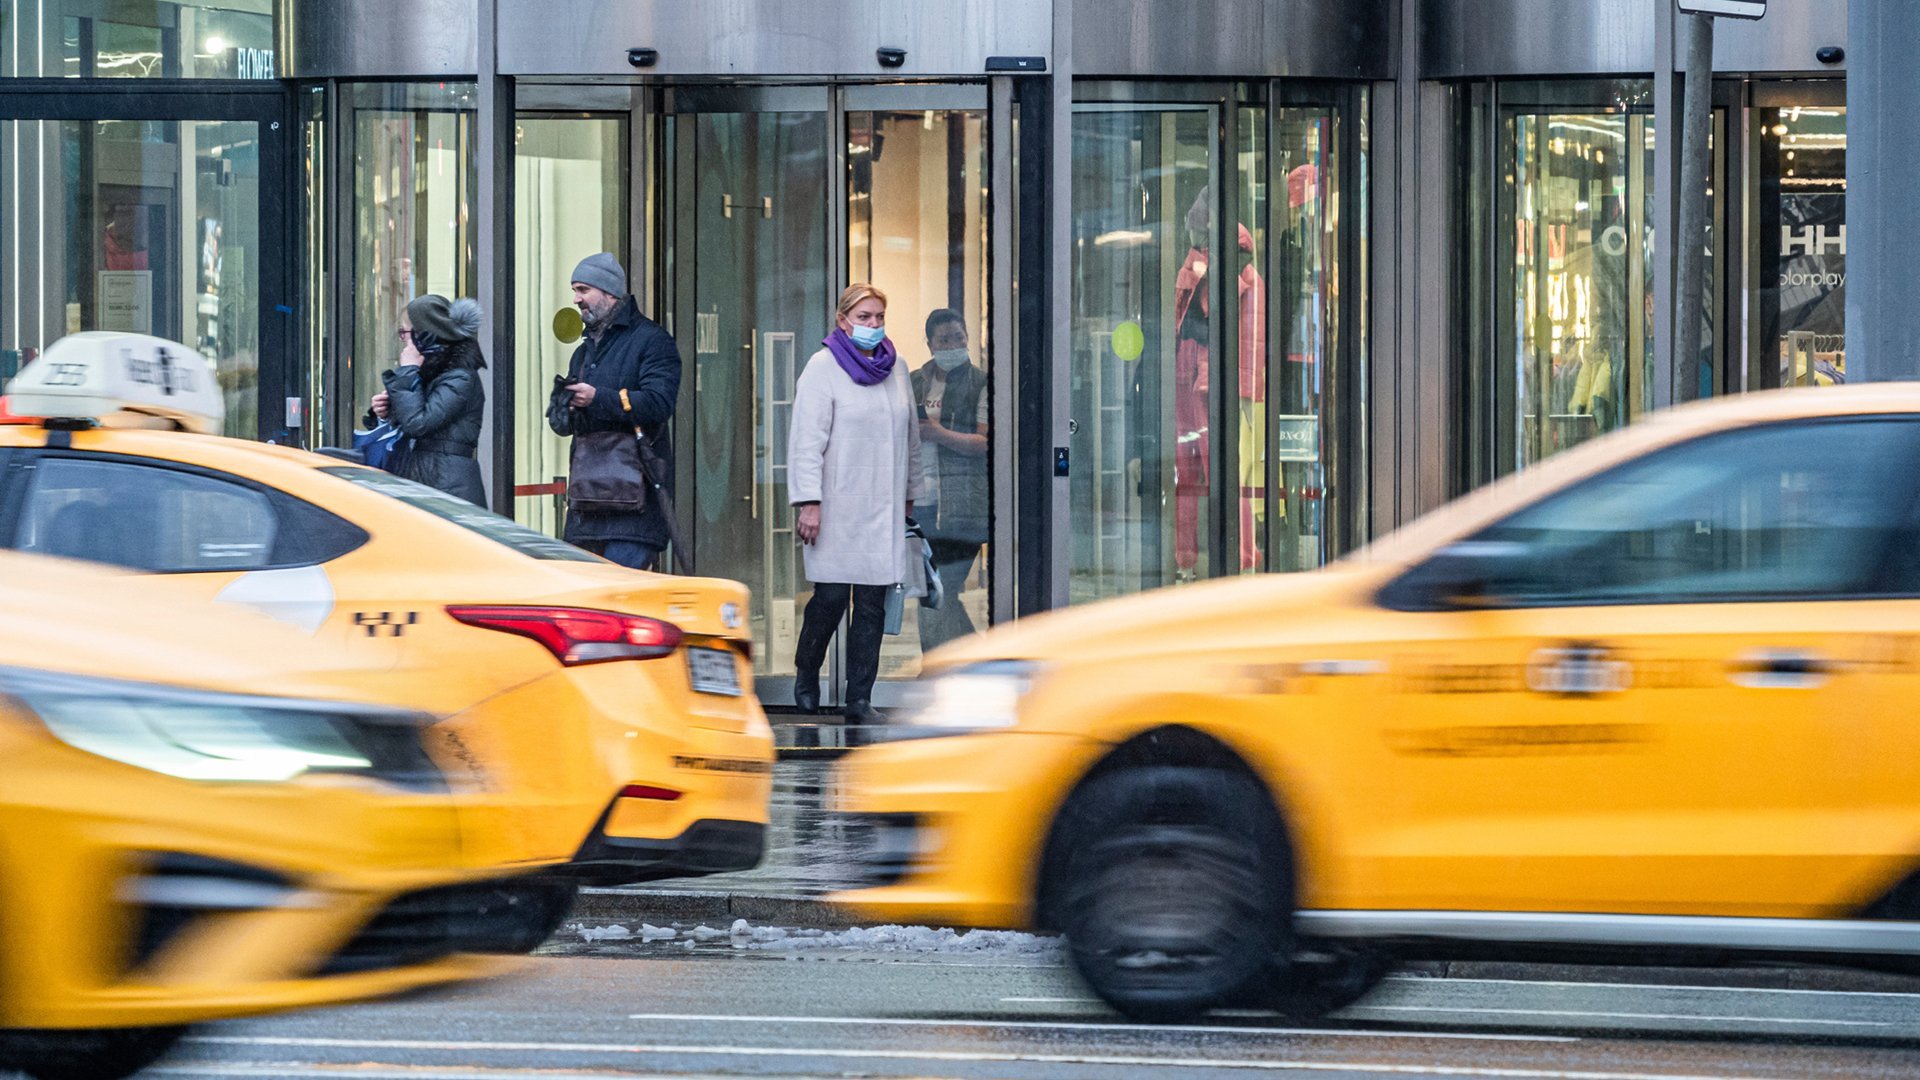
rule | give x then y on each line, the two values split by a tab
1650	698
617	770
186	833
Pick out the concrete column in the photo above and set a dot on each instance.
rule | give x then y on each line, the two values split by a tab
1883	163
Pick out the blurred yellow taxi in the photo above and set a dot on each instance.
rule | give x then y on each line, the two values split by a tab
193	828
608	715
1650	699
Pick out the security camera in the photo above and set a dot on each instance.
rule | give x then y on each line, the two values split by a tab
1830	54
643	57
890	57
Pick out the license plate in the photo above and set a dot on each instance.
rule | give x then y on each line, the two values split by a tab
713	672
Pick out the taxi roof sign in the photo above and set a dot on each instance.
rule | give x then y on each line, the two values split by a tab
121	380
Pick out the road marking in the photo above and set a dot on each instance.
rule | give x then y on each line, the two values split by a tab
1570	1013
279	1071
1051	1001
1068	1025
1113	1061
1428	980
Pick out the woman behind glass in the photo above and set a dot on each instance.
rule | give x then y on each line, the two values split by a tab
853	472
437	397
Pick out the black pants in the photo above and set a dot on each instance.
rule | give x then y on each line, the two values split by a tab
829	602
628	553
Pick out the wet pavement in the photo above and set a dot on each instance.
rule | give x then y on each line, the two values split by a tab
807	854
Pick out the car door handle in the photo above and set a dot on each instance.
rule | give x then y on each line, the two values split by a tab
1781	669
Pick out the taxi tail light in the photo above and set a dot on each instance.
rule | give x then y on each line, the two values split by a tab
649	791
578	635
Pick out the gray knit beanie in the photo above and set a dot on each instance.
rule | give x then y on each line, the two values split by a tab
603	272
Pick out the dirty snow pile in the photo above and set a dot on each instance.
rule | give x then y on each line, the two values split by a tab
871	939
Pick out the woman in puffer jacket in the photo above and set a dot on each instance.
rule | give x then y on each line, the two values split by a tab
436	395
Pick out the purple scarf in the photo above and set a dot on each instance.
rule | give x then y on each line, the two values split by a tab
864	370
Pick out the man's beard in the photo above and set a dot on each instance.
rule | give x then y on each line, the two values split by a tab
595	316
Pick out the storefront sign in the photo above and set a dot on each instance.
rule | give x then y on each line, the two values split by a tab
1296	438
1734	9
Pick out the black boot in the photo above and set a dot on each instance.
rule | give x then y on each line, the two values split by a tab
806	694
864	714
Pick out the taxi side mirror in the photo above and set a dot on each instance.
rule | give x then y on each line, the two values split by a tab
1457	577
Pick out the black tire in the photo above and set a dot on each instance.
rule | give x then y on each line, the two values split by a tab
1174	888
85	1054
1325	977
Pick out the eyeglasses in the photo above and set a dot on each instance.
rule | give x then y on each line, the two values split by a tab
405	334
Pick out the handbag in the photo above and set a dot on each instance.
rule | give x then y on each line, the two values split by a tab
384	447
606	474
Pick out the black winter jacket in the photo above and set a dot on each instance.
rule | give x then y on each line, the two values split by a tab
633	354
443	416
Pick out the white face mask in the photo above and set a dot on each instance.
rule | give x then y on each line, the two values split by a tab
949	359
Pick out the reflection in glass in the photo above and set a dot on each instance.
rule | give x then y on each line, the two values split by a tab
917	220
138	39
149	227
414	175
1144	238
1579	218
1803	245
748	199
570	201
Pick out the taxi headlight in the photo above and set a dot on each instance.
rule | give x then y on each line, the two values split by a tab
979	697
199	735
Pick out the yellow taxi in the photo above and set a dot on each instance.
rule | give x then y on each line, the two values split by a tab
193	825
1650	699
608	715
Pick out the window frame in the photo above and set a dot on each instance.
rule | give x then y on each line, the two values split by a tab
1412	590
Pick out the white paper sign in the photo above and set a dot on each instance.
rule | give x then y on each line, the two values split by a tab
126	300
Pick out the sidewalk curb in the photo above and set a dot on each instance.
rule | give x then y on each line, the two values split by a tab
635	906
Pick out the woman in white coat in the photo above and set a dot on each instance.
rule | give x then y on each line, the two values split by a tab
853	472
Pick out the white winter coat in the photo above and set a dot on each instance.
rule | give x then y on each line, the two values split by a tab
856	450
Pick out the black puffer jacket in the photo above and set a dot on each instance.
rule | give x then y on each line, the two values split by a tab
443	416
636	355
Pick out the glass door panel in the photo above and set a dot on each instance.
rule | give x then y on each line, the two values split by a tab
1143	233
1803	246
570	201
747	251
1306	266
149	226
1578	241
917	228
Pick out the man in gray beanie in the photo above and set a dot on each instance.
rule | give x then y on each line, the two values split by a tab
624	375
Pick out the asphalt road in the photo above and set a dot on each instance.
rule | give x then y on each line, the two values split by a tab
732	1007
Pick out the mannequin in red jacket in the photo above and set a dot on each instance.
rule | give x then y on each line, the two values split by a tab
1191	408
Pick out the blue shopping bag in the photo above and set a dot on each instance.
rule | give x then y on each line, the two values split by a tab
385	447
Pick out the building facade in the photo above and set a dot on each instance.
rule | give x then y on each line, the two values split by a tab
1247	283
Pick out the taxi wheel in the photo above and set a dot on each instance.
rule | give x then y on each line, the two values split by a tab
85	1054
1175	889
1325	977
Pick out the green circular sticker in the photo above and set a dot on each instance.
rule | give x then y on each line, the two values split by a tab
1129	341
568	326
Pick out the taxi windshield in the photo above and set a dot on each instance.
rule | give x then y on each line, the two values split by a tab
502	531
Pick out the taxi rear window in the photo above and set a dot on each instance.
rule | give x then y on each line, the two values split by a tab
474	519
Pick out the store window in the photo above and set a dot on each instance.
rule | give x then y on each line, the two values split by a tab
570	200
147	226
1802	246
139	39
414	176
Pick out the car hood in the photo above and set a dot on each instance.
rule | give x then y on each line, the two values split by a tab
1191	617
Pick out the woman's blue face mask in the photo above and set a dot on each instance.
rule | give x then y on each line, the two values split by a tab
868	337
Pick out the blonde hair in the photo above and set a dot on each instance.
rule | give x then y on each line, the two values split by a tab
857	292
